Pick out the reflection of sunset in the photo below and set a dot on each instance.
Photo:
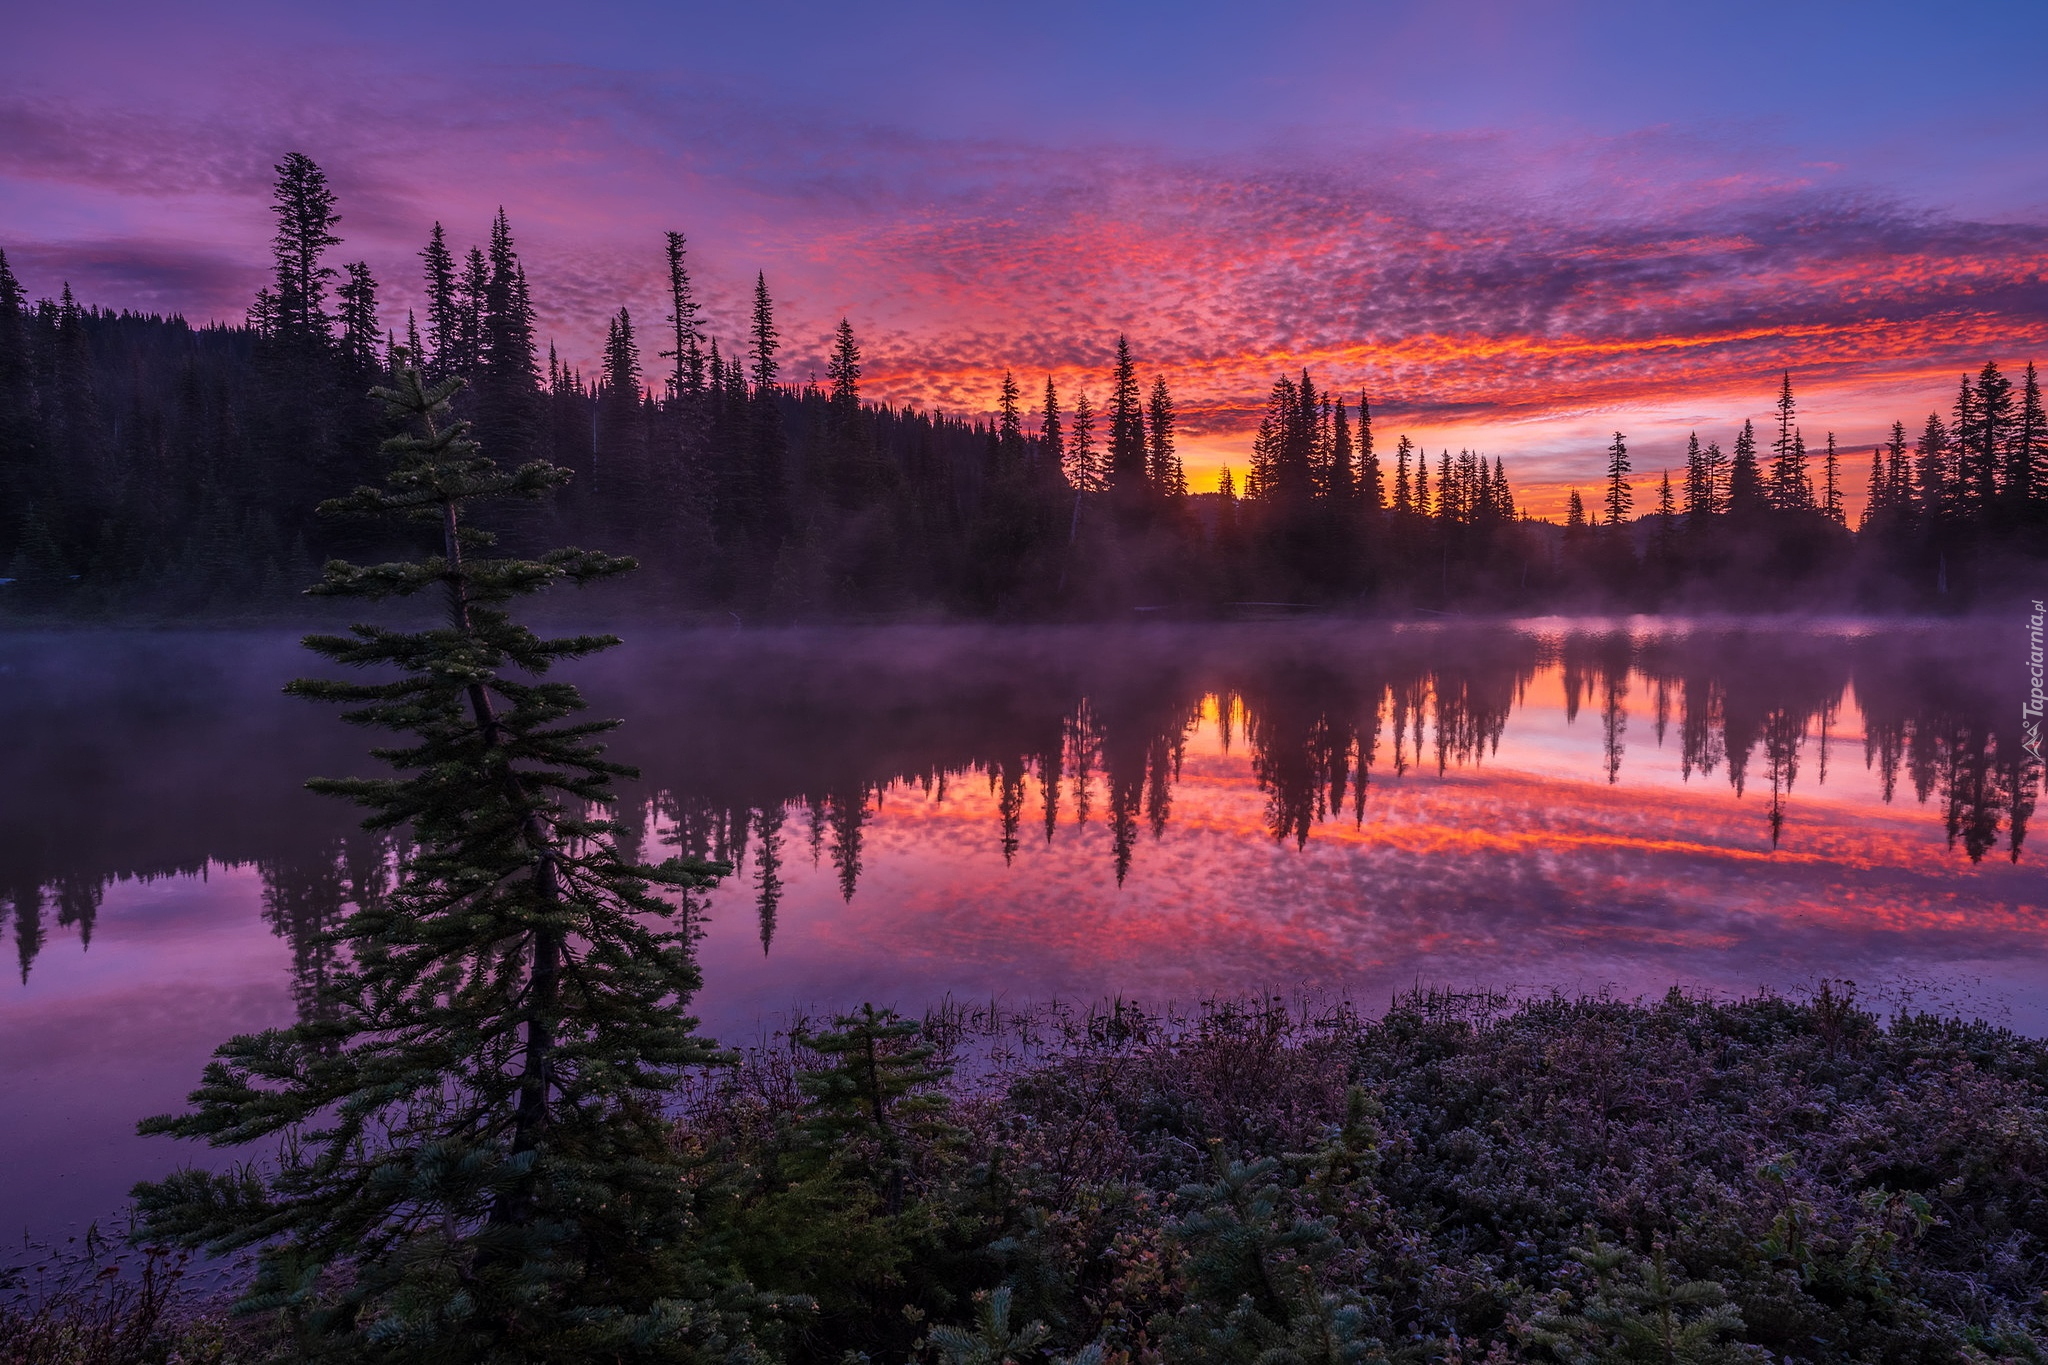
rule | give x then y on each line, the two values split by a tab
1519	864
1554	805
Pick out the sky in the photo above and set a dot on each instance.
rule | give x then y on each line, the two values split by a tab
1516	227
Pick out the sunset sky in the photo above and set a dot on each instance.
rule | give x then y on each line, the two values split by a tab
1519	227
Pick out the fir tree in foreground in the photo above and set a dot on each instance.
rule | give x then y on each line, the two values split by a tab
474	1160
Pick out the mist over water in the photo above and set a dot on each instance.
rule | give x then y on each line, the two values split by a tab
1028	814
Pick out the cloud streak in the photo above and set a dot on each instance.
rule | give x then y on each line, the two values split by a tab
1494	289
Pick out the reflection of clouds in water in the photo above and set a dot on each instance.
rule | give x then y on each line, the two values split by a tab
1489	875
1489	848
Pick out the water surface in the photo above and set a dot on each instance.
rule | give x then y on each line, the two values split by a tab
1022	815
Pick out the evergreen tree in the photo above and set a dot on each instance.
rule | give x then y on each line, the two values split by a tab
1933	470
1745	479
1084	463
767	340
1342	479
304	209
1831	499
1620	497
1788	469
1127	474
359	328
1403	501
1162	454
474	1162
686	379
18	455
2024	479
1664	548
1699	491
1052	441
472	296
1982	447
507	379
1371	491
444	321
1898	470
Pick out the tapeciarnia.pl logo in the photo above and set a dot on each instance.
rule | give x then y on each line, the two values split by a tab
2030	714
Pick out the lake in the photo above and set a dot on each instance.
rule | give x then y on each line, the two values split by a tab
1022	815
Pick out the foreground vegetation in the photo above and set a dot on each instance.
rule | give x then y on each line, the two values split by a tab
1464	1178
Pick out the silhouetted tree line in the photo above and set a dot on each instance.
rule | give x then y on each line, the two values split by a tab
149	465
759	758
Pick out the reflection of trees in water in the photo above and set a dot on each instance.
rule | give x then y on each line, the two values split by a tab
735	746
307	895
1317	730
76	900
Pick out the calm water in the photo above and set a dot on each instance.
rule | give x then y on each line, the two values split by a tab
1031	814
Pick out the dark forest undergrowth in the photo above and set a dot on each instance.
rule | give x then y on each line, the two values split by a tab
1465	1177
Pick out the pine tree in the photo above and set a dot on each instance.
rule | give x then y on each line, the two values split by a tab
1745	479
18	455
1982	448
1371	490
1084	462
1342	479
1936	498
1162	454
472	297
1620	497
507	379
359	328
444	322
1898	471
2023	482
1127	473
686	379
1699	489
1964	432
1403	502
767	340
1831	499
1877	498
1667	522
304	209
1052	440
474	1161
1788	470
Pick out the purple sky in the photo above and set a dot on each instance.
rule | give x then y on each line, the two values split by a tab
1518	226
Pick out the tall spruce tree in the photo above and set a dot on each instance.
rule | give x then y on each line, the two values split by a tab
1161	453
444	325
1127	474
360	331
1052	436
507	376
304	209
1371	491
1788	469
1620	497
1745	479
2024	479
473	1161
686	378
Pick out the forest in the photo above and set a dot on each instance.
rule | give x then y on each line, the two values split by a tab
153	469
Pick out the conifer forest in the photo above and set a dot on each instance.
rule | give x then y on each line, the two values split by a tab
1105	685
152	467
